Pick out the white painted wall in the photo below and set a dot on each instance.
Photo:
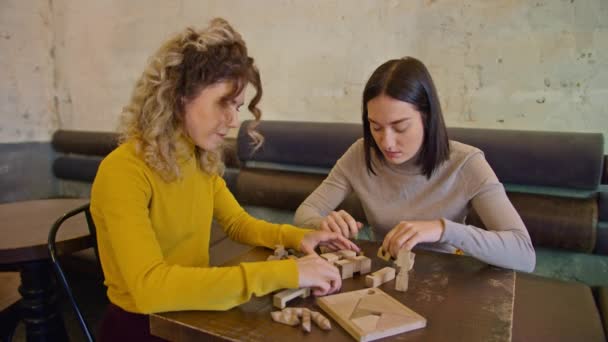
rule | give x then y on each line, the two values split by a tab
515	64
26	71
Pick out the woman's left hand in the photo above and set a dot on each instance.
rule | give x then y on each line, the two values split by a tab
408	234
324	238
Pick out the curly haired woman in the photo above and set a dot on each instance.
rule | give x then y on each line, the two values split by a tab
155	196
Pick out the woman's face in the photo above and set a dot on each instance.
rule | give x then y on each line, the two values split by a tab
396	127
210	115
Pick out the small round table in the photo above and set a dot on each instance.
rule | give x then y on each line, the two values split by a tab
24	232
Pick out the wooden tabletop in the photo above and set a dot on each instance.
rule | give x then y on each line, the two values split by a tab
461	298
25	226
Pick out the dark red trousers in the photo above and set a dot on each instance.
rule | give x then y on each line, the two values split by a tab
120	325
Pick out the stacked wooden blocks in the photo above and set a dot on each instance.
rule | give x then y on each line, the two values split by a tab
349	263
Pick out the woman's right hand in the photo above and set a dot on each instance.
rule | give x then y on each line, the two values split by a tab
341	222
316	272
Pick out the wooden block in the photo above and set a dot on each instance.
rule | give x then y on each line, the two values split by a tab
405	259
331	257
280	299
346	267
324	249
365	264
306	320
373	315
285	317
321	320
280	251
384	255
401	283
380	277
347	253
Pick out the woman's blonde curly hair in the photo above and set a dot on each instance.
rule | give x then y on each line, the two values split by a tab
175	75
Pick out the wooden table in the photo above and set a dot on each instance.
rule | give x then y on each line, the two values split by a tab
23	246
462	299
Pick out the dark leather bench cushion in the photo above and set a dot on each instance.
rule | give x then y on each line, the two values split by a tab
567	160
77	168
559	159
552	310
568	223
601	246
284	190
313	144
83	142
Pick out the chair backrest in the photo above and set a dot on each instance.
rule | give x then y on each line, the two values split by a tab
54	253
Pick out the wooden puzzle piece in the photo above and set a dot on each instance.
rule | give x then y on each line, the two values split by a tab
347	253
351	265
291	316
284	317
384	255
331	257
280	299
380	277
364	264
405	259
280	253
401	283
346	267
306	320
320	320
375	314
366	323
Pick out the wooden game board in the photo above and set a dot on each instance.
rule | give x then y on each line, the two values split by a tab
370	314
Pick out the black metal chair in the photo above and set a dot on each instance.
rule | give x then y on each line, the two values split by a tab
84	209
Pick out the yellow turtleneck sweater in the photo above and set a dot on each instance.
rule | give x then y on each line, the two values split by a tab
153	238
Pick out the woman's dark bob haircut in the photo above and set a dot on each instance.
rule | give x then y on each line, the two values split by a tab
408	80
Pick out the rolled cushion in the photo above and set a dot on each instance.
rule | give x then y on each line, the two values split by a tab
83	142
554	221
284	190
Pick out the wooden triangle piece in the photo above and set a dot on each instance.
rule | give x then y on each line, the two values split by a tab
366	323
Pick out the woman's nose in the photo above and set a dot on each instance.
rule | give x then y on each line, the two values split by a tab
233	119
387	140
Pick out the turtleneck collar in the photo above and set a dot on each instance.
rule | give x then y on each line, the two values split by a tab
185	148
408	167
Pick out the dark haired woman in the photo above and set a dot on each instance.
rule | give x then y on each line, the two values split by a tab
415	185
154	197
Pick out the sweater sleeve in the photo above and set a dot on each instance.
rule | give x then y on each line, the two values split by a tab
506	242
327	196
135	265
